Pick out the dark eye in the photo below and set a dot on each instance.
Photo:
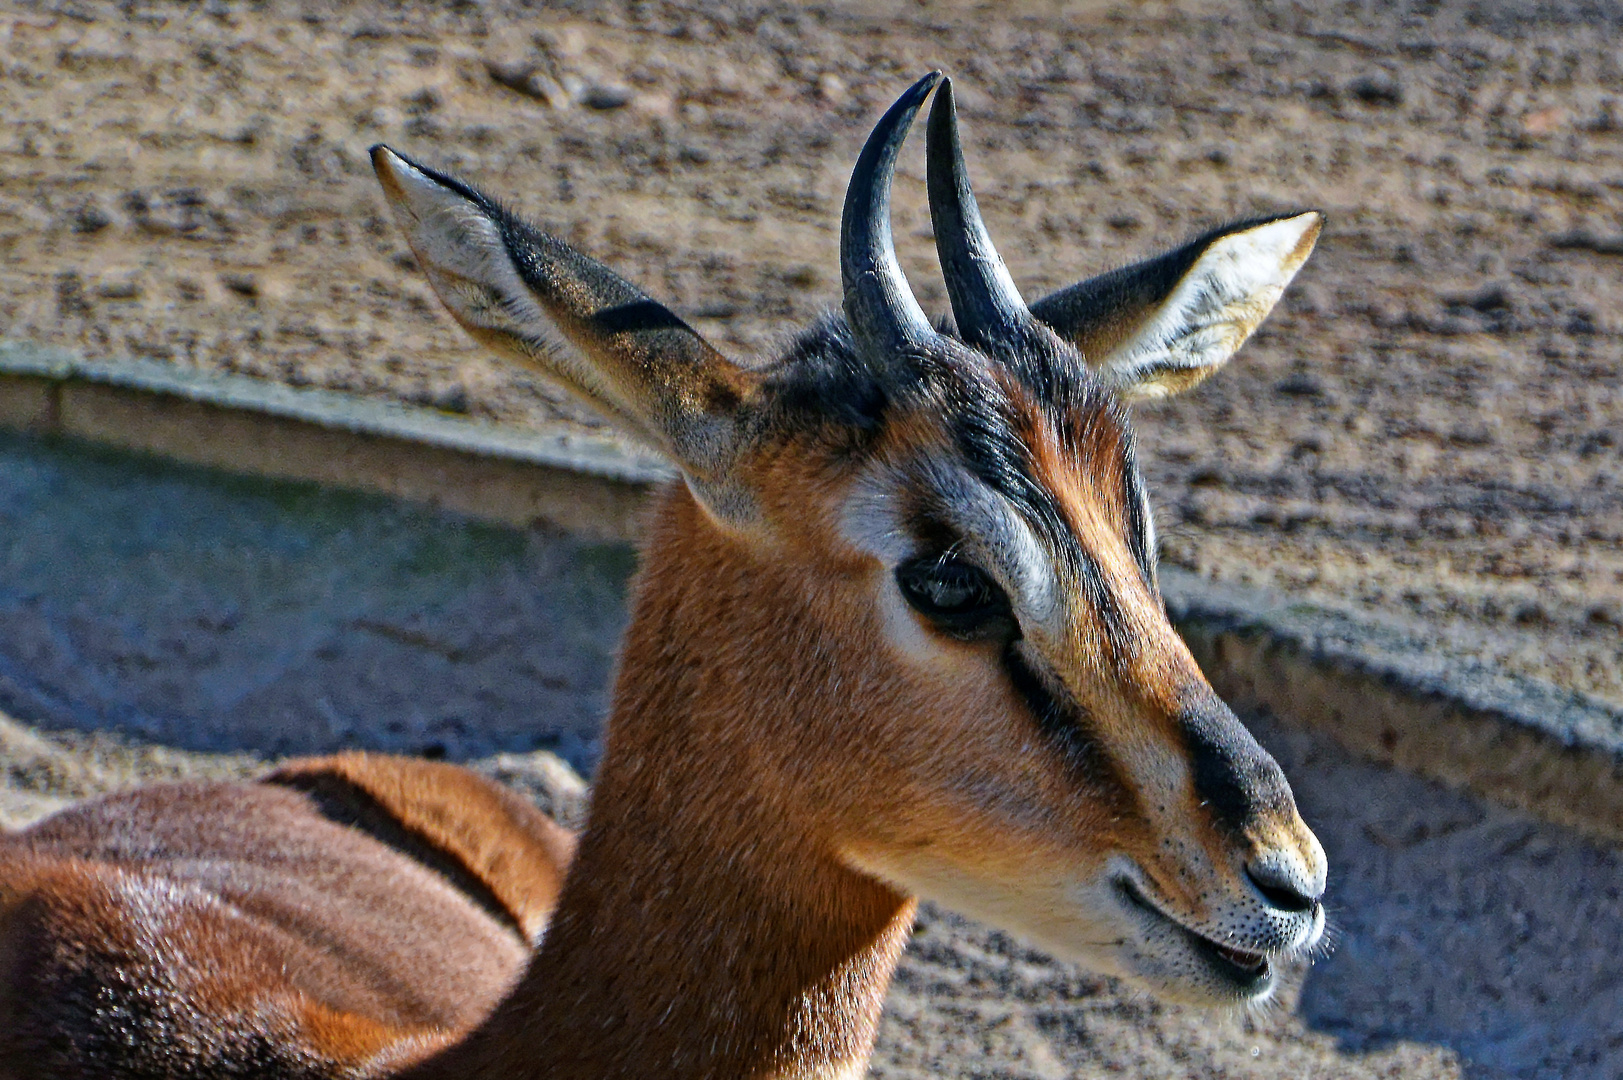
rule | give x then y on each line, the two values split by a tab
958	597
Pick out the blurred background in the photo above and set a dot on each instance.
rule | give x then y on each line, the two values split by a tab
1424	436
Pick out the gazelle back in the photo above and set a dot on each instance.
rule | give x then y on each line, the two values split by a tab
897	633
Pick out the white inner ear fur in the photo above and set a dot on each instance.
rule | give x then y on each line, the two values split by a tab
462	253
1214	307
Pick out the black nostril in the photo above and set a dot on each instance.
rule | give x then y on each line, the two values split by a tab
1279	890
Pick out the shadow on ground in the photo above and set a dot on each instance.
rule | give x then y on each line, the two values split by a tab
212	612
1471	941
1459	923
186	608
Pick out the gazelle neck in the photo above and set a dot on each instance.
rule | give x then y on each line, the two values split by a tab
705	929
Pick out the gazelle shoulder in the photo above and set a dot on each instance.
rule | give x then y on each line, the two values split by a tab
493	844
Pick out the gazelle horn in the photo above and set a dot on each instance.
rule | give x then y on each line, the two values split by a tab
985	302
883	313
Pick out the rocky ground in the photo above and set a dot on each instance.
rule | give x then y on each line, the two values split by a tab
1427	428
1471	941
1428	425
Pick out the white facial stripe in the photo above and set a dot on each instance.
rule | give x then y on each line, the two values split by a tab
871	519
1002	541
995	537
1074	919
1224	296
1147	512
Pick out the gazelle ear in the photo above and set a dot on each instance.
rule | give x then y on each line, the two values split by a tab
534	299
1158	327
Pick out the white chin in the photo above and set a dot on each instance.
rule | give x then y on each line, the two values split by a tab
1075	922
1091	924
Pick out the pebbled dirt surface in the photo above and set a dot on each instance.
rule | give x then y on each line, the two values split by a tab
1471	941
1427	427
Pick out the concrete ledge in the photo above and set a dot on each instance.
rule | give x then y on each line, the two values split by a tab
1384	692
589	485
1391	695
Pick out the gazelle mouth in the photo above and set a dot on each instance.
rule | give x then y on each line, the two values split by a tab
1249	971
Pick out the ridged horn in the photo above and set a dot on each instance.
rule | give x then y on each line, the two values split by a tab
985	302
882	311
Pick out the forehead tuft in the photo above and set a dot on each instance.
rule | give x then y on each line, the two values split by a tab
1052	440
822	379
1034	426
1007	425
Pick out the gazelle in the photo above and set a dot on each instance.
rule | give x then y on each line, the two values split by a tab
896	634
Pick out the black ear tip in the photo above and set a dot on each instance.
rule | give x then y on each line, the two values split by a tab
386	159
383	154
1317	213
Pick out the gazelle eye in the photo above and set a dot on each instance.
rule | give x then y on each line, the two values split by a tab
958	597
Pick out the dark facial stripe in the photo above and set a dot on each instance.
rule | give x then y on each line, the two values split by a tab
1000	446
1136	504
986	431
1065	724
1048	443
1233	775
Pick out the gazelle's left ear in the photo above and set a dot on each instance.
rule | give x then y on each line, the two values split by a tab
1158	327
533	298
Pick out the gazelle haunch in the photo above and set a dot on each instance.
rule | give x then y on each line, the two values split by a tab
897	634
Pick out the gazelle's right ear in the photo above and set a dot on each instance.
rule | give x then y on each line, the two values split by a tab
534	299
1160	326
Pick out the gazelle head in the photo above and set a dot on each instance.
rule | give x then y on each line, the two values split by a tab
969	687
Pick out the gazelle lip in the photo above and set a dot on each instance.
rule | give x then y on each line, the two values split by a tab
1248	970
1240	958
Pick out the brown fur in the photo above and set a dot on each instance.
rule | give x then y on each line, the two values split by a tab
480	835
176	930
720	846
798	747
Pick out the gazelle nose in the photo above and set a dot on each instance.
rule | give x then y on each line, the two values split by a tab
1285	881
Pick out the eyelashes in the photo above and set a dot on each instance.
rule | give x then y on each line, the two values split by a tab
958	598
